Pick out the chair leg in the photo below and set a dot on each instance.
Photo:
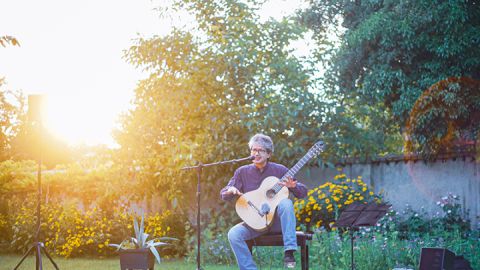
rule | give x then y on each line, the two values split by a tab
307	256
303	256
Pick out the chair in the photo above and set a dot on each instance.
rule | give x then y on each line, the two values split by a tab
276	239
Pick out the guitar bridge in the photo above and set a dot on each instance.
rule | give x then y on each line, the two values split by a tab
258	210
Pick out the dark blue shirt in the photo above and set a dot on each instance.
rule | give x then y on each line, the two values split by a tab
249	177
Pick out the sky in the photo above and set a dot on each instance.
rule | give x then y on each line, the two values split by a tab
71	51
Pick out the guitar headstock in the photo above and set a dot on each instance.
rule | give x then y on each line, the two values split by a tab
317	148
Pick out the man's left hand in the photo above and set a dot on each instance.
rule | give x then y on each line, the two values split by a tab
290	183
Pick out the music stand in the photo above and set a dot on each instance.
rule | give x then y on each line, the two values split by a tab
35	104
360	215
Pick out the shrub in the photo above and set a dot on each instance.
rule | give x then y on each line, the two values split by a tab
416	223
69	231
324	203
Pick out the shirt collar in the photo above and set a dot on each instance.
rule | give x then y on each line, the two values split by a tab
264	168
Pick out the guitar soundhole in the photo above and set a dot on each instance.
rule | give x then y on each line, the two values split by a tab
270	193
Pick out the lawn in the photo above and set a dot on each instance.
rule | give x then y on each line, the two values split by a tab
8	262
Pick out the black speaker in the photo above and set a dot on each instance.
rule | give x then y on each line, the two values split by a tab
36	104
436	259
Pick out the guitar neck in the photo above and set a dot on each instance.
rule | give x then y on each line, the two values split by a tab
294	170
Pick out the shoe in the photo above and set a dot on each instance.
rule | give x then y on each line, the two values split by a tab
289	259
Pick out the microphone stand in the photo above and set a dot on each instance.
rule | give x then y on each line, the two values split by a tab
199	168
38	245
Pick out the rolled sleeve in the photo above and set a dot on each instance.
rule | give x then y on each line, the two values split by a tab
300	191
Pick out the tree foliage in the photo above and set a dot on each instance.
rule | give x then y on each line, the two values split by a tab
392	51
212	88
11	108
450	109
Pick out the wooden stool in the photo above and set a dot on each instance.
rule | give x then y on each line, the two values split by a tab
277	240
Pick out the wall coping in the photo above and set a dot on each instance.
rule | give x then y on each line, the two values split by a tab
396	158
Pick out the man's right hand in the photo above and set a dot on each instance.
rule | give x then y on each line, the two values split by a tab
233	191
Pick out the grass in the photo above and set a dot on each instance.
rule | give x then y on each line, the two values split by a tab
10	261
373	251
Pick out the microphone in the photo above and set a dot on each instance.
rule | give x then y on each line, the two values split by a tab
265	209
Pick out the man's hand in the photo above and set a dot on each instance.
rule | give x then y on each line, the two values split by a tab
232	190
290	183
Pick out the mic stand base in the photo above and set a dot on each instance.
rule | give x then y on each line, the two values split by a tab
37	247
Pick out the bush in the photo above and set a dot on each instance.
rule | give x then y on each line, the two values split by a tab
324	203
412	223
69	231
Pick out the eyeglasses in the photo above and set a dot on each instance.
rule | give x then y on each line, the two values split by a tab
258	150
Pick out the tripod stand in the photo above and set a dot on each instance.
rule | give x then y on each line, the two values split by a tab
34	113
199	168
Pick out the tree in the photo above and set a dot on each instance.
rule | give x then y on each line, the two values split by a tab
11	107
392	51
450	109
9	111
210	88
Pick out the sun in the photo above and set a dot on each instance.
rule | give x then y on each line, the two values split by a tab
80	120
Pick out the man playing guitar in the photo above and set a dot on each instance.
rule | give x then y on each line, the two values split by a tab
249	178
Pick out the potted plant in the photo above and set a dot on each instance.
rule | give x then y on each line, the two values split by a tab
137	252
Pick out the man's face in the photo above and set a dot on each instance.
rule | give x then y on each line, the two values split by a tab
261	155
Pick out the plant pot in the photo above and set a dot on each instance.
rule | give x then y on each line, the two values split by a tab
136	259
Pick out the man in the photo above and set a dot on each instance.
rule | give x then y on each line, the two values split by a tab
250	177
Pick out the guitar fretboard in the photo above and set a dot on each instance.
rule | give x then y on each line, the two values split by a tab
294	170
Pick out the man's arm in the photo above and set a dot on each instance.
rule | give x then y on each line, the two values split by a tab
232	189
300	190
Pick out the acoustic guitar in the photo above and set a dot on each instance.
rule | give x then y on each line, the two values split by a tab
257	207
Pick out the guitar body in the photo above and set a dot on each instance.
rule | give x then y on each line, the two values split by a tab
251	206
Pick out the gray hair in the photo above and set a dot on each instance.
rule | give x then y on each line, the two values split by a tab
263	140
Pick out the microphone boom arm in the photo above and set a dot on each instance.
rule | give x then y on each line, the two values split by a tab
219	163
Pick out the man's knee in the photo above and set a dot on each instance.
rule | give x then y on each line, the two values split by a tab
285	205
233	234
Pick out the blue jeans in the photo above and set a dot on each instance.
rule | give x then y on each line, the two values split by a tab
284	222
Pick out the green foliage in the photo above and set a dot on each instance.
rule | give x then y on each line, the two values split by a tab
384	251
389	53
11	114
68	231
140	240
450	110
210	88
215	247
450	217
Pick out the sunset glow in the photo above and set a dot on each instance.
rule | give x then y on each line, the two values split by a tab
81	119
